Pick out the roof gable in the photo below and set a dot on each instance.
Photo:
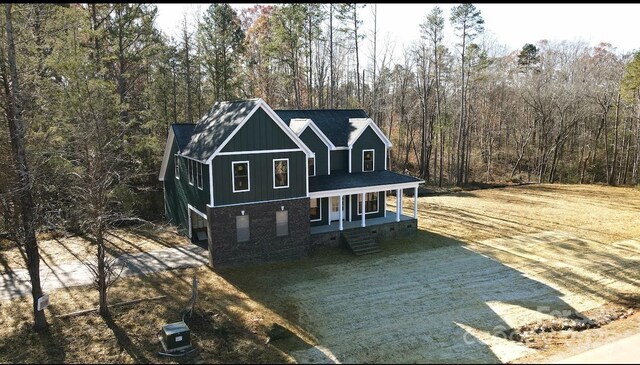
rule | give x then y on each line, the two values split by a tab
334	123
359	125
181	134
217	125
300	125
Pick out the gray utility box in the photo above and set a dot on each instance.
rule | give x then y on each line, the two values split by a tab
176	336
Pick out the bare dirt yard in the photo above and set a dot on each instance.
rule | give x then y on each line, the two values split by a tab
500	275
491	276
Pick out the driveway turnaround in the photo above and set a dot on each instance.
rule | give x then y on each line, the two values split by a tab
16	283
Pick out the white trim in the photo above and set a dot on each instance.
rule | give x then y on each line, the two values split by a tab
362	209
176	163
328	161
314	166
233	178
398	204
349	159
359	211
191	208
365	189
309	123
341	148
258	202
260	151
350	207
199	177
274	173
211	183
319	207
191	158
197	211
267	109
341	210
385	157
415	202
370	122
306	172
374	160
167	153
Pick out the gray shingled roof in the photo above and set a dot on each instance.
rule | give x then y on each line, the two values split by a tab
338	181
183	132
334	123
216	126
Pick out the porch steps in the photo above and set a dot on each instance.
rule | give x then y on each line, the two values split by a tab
360	242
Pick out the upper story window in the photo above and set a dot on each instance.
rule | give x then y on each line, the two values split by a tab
176	163
199	175
281	173
368	158
240	176
311	162
190	168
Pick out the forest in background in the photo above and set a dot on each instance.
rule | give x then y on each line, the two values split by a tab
99	85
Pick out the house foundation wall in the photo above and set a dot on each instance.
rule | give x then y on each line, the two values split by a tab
263	245
378	231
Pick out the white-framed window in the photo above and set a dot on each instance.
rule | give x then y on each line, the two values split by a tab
199	175
240	173
176	163
370	204
368	160
191	169
280	173
242	228
282	223
311	162
315	210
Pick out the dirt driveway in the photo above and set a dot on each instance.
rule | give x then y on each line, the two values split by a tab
482	262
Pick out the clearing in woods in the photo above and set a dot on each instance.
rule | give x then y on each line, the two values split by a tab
482	262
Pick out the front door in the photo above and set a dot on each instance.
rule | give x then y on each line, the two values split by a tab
334	213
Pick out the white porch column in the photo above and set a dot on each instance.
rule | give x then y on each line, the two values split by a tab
362	211
329	211
415	202
398	204
340	210
385	204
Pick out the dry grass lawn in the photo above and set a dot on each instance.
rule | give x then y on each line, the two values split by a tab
481	260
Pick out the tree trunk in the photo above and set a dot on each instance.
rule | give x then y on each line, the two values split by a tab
102	274
27	206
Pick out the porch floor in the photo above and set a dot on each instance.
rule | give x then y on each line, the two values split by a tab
335	226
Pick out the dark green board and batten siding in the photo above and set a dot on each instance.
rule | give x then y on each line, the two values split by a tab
315	144
368	140
340	160
179	193
260	178
260	132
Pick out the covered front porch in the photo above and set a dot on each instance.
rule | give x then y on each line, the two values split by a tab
346	201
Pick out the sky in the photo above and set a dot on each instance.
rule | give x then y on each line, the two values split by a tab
512	25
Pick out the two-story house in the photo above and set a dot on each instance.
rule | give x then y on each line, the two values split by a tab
261	185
